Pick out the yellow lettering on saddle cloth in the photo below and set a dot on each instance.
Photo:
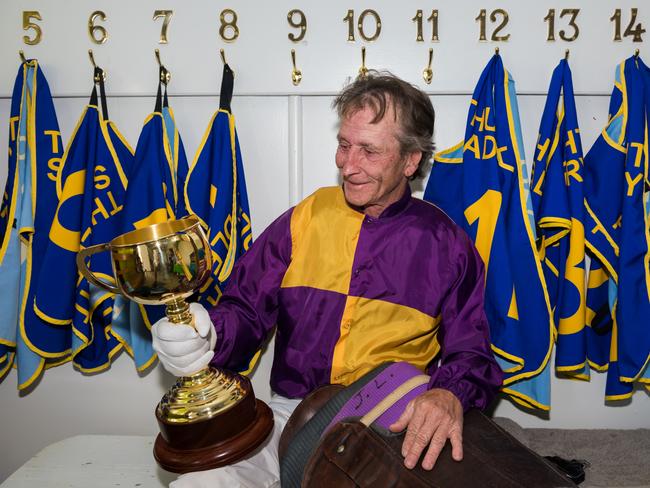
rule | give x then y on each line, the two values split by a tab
63	237
13	125
571	169
571	141
574	273
54	164
543	147
105	208
104	203
223	237
632	181
484	124
489	150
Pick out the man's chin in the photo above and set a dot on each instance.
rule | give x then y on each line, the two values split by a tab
354	199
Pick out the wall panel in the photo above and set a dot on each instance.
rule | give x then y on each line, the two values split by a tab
287	136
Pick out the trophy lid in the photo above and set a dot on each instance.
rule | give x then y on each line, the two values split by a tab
155	232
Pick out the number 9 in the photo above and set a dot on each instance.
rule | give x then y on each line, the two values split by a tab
302	25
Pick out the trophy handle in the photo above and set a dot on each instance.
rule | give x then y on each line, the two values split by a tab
83	268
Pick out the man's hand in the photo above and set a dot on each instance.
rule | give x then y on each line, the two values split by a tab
183	349
430	419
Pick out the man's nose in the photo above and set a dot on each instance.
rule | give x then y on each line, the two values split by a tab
348	162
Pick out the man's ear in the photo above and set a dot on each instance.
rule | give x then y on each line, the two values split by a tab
412	162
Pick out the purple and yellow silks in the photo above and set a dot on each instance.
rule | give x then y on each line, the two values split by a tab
349	292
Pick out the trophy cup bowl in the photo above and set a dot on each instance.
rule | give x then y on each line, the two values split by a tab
210	418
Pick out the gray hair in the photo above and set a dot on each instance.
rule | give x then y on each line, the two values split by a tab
413	110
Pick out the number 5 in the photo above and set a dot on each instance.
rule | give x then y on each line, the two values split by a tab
28	15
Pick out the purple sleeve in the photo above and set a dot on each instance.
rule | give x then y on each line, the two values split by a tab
247	310
467	366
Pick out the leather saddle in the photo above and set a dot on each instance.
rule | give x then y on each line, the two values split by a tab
352	454
304	413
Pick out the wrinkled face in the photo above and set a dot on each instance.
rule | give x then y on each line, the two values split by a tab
374	172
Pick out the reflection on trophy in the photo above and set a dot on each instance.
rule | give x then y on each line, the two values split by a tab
210	418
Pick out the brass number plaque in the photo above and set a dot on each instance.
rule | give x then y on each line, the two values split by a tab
166	15
433	18
28	15
301	24
228	30
550	18
97	33
349	18
631	30
482	20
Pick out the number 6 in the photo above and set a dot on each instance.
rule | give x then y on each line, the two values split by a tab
92	28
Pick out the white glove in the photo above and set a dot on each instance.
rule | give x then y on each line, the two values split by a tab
181	349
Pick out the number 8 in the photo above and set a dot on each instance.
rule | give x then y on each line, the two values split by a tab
225	24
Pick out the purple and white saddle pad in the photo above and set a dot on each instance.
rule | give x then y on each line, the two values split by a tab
385	397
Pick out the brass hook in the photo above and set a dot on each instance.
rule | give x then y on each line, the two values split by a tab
296	74
427	74
223	60
636	53
496	50
92	58
363	71
165	75
24	60
566	55
101	76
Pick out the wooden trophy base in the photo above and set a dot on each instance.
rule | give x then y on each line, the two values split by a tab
214	442
219	454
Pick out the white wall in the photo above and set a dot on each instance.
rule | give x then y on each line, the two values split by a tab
287	139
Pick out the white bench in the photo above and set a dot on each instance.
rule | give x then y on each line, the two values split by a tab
98	461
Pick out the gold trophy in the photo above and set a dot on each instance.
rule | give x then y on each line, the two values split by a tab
210	418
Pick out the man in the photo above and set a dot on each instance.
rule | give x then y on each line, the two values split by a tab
356	276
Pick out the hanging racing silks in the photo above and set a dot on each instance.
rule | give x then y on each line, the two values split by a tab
92	186
617	189
154	195
482	184
28	206
216	192
557	194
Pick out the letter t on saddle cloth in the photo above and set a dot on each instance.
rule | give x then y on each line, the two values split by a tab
345	442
